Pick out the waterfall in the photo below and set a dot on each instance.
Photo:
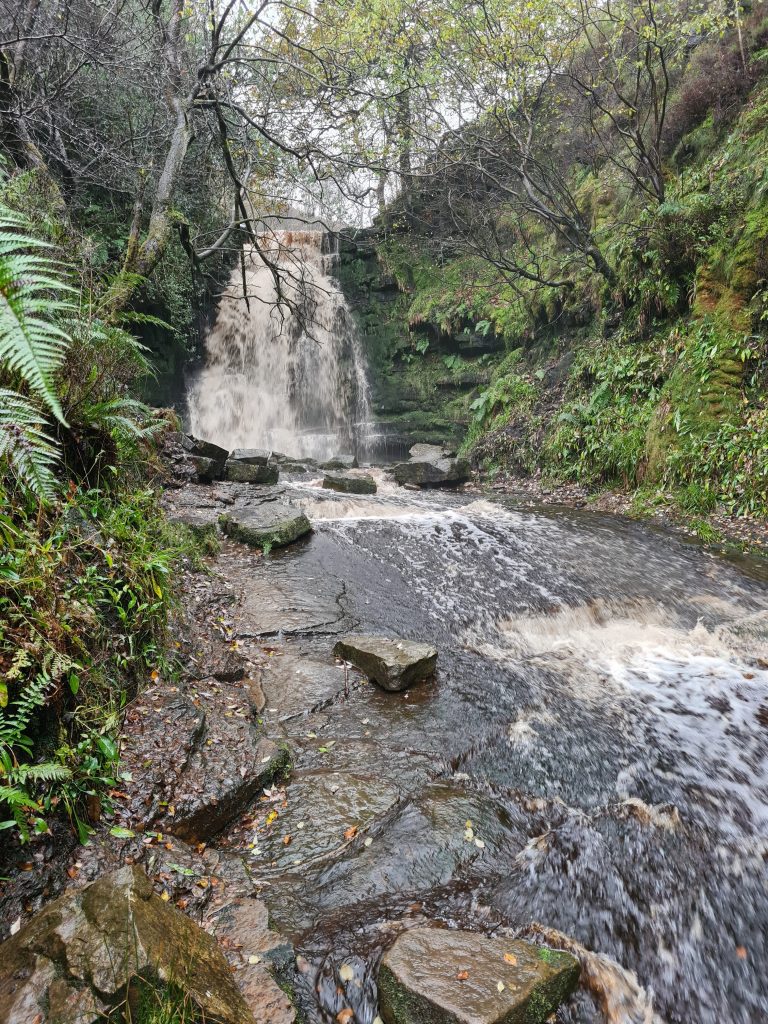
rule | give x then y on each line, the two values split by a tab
289	380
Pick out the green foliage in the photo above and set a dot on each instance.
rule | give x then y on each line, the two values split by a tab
33	300
84	597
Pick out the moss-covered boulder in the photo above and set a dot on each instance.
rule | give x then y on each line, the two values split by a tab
436	976
432	472
77	959
269	525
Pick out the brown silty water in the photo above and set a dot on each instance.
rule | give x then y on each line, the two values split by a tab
288	377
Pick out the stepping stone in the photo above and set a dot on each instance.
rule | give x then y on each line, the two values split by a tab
439	976
348	484
250	472
393	664
269	525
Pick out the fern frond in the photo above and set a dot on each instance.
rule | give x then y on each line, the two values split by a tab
48	771
32	295
25	446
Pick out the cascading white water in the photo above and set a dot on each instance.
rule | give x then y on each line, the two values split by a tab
291	381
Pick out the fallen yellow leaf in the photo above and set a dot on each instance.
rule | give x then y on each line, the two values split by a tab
510	958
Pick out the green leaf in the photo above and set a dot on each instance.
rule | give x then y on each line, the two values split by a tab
121	833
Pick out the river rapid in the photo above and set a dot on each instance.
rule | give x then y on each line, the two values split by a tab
590	758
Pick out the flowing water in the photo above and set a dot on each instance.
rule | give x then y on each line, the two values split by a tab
588	765
289	378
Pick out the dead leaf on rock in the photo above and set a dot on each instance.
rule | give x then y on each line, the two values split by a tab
351	832
510	958
345	1016
462	975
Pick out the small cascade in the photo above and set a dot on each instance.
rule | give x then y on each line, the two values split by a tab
290	380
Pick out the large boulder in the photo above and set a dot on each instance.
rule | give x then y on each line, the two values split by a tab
75	961
340	462
437	976
269	525
346	483
393	664
432	471
241	471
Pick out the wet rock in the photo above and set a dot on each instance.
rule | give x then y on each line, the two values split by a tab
348	484
241	925
251	472
341	462
429	471
269	525
201	521
154	763
287	602
296	684
198	448
74	961
436	976
251	456
231	768
393	664
206	469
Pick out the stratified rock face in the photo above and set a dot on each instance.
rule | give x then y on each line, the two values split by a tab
393	664
428	471
435	976
250	472
77	956
253	456
348	484
269	525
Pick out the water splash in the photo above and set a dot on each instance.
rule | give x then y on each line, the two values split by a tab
293	381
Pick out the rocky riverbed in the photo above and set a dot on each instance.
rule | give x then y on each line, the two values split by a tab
586	767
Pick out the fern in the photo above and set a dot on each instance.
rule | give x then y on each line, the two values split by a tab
33	297
25	446
32	294
14	722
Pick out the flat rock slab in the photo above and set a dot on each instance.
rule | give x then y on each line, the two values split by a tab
250	472
269	525
287	603
346	483
393	664
432	472
436	976
430	451
72	962
296	685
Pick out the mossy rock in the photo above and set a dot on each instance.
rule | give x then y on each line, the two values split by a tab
269	525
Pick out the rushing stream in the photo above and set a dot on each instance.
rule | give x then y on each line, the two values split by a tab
591	755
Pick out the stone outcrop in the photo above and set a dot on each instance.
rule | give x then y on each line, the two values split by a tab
269	525
78	958
346	483
246	472
430	466
393	664
437	976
